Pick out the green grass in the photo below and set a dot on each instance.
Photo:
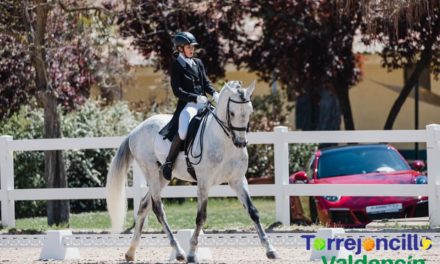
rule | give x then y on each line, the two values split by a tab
223	214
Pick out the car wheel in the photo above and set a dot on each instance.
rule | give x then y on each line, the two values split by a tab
421	210
313	211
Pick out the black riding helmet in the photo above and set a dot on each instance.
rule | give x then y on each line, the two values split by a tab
184	38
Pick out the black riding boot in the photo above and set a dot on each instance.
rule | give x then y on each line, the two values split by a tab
167	167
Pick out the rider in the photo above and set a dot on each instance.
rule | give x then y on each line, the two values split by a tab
190	85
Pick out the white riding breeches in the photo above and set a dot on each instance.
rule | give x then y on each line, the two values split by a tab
188	112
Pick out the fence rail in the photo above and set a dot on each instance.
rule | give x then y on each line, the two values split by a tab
281	189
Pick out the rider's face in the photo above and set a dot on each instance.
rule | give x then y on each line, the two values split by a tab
188	51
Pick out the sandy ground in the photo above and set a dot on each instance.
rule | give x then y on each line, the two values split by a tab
220	255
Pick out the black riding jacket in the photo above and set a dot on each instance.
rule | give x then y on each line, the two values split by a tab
187	83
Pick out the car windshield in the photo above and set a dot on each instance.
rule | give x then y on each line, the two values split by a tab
359	161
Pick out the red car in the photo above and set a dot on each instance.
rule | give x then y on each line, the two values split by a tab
370	164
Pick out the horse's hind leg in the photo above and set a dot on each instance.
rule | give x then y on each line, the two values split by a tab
241	188
161	217
144	208
156	184
202	202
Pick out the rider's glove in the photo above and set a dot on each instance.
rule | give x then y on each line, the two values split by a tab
202	99
215	96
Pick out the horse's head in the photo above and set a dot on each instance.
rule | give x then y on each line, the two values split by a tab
234	108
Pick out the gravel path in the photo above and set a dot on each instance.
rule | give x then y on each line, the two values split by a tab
287	254
220	255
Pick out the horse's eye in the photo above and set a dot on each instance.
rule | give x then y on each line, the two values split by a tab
232	113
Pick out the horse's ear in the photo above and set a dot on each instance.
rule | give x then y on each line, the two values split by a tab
251	89
229	87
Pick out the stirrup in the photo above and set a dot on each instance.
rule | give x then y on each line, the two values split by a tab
166	170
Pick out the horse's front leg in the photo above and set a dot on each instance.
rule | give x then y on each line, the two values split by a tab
241	188
202	202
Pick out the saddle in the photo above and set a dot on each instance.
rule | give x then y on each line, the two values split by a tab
188	144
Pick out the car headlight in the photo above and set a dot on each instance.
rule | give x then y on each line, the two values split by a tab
332	198
422	180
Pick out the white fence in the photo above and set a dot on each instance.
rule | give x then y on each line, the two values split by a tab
281	189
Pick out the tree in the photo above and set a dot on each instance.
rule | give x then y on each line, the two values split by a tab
51	43
292	41
411	37
152	25
31	19
15	73
307	46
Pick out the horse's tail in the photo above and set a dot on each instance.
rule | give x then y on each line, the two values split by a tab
116	178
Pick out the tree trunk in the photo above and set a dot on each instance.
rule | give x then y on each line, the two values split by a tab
329	114
54	171
344	101
318	109
424	61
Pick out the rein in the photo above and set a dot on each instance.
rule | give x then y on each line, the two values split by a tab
227	127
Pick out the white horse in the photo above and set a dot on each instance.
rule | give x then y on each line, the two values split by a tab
225	159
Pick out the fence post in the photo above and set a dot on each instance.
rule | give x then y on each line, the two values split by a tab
7	182
138	183
433	153
281	150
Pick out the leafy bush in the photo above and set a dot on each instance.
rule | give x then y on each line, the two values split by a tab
28	165
271	111
85	168
89	167
299	154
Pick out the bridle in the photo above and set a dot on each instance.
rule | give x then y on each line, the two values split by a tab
228	116
227	126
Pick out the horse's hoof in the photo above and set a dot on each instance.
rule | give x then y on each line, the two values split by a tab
272	255
180	257
129	258
192	259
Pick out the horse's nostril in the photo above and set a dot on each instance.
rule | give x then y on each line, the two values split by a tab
240	144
